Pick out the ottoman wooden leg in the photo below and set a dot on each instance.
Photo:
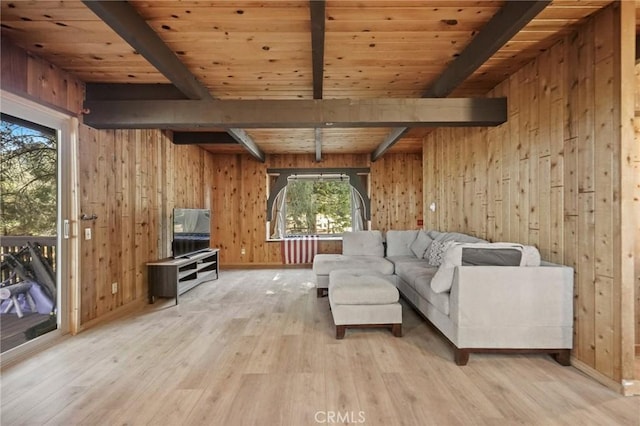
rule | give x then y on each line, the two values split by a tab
396	329
340	329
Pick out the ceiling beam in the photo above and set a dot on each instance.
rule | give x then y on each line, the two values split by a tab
318	136
131	92
338	113
202	138
244	139
129	25
506	23
317	10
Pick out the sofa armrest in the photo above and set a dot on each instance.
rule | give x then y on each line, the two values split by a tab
512	296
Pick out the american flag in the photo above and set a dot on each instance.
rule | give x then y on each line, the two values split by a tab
300	249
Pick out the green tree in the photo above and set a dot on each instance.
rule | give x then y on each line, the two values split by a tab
28	179
301	207
334	202
308	198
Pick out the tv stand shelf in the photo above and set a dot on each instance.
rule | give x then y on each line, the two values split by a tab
173	277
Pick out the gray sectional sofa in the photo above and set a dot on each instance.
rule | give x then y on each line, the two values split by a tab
483	297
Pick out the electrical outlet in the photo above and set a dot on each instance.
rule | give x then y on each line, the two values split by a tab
114	288
243	251
87	233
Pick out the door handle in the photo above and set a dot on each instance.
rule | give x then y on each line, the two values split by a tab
65	229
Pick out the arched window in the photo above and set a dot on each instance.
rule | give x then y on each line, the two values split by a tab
320	202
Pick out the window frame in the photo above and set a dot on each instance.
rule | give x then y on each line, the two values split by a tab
277	180
67	271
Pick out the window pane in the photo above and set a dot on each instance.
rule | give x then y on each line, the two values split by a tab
28	228
28	178
318	207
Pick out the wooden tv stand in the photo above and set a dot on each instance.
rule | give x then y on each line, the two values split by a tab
173	277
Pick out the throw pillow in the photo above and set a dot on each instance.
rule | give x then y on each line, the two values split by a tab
399	242
435	253
530	256
443	278
363	243
472	256
420	245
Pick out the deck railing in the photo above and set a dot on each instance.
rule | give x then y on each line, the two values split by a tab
15	244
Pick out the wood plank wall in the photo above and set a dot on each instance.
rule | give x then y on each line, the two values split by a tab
34	78
637	175
550	177
239	197
131	180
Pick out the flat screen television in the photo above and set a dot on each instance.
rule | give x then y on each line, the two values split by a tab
191	231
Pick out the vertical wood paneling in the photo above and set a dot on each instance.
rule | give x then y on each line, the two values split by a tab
239	199
585	107
635	158
565	166
396	192
626	237
23	73
14	65
584	288
127	180
430	160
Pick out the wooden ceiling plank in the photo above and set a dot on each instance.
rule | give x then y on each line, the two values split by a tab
408	14
127	23
231	26
336	113
392	4
334	27
161	13
510	19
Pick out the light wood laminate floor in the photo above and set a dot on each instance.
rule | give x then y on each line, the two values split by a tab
257	348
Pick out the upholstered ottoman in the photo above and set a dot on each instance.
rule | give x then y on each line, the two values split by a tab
363	298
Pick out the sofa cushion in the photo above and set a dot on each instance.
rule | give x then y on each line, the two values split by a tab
422	284
323	264
530	256
360	287
474	256
454	236
410	270
470	254
405	259
399	242
420	244
362	243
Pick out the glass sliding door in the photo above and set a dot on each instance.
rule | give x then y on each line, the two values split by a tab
28	232
38	247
